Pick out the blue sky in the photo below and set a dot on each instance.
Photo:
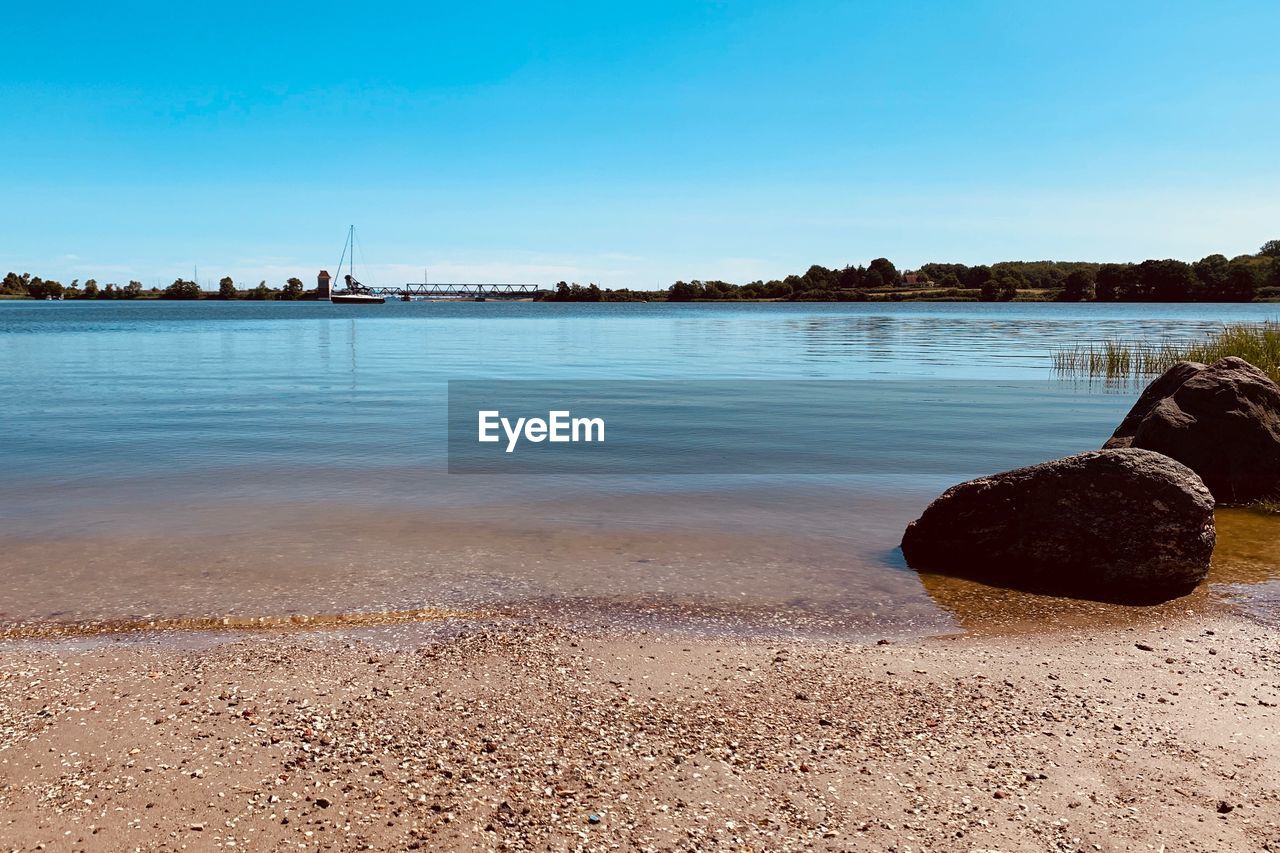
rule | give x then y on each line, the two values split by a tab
631	144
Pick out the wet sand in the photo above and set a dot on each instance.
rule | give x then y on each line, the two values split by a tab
1160	735
244	567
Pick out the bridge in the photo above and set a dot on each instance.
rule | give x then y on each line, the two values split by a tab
457	290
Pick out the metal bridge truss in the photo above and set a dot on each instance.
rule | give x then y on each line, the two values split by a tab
458	291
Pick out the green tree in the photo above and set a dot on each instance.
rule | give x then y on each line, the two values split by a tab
1244	277
1002	286
90	289
292	289
778	290
972	278
888	272
1270	249
685	291
14	284
1164	281
110	292
1078	286
1112	283
818	278
1211	275
941	276
850	278
227	288
38	288
131	290
182	289
261	291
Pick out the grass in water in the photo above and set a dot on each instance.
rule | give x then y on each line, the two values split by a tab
1256	343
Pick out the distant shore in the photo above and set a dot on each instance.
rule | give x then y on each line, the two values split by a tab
888	296
1213	278
1159	734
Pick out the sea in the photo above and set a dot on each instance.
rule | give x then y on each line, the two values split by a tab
219	462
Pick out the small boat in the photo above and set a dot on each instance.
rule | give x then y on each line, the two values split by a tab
355	292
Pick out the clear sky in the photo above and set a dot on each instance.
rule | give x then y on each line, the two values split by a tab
631	144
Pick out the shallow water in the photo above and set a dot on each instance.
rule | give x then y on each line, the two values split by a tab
192	461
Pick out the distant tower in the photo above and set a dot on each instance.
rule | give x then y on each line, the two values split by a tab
322	284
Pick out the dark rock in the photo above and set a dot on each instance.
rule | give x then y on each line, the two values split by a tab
1125	524
1163	386
1221	421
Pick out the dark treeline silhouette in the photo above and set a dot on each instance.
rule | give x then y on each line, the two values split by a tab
39	288
1215	278
566	292
1212	279
36	287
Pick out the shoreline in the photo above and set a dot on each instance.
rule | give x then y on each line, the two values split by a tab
762	584
514	737
965	608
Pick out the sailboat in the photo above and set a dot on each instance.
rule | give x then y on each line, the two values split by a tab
355	293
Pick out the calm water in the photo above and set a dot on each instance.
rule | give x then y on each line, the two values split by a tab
210	459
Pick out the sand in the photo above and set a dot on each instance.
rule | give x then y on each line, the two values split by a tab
1164	736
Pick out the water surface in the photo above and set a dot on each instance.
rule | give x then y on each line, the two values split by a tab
202	460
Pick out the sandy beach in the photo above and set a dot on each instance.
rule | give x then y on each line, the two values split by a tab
1163	735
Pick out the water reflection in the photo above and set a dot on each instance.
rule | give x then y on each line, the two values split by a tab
1244	570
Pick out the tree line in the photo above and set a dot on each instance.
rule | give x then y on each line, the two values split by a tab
1215	278
36	287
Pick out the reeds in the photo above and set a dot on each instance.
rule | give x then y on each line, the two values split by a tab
1114	360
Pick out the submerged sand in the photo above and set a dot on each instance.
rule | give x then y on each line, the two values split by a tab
1163	736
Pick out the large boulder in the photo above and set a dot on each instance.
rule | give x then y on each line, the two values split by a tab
1117	525
1221	421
